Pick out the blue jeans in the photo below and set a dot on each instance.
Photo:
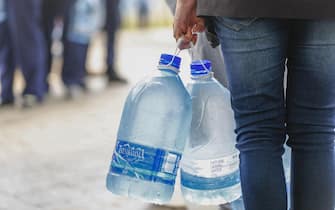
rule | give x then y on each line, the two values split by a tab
256	52
29	44
112	26
7	64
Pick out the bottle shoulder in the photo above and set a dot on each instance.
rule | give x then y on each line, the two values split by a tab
208	88
168	89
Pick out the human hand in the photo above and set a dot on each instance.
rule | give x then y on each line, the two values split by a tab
186	23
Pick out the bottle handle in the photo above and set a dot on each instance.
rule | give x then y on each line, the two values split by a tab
178	50
180	41
190	50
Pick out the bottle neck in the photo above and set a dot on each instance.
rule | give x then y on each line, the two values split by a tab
203	77
168	70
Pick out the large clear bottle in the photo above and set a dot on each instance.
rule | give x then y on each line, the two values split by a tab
210	166
154	127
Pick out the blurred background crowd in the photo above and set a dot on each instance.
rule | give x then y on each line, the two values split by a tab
35	34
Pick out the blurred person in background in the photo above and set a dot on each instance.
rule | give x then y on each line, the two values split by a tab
143	13
80	22
7	66
113	22
29	46
83	19
53	16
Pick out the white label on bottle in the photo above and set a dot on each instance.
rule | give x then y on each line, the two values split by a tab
213	167
171	163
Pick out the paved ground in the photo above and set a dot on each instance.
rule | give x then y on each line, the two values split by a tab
55	157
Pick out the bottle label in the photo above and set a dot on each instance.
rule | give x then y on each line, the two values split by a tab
200	183
146	163
212	168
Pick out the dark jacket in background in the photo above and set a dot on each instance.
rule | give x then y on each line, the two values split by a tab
300	9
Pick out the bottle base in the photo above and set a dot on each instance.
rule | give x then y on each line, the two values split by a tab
212	197
151	192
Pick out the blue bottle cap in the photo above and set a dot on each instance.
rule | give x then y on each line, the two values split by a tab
201	67
170	60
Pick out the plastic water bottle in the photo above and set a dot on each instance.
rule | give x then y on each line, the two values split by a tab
154	127
238	204
3	14
87	17
210	166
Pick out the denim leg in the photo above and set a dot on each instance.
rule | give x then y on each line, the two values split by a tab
74	55
112	26
311	114
25	20
74	67
255	55
49	15
7	66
